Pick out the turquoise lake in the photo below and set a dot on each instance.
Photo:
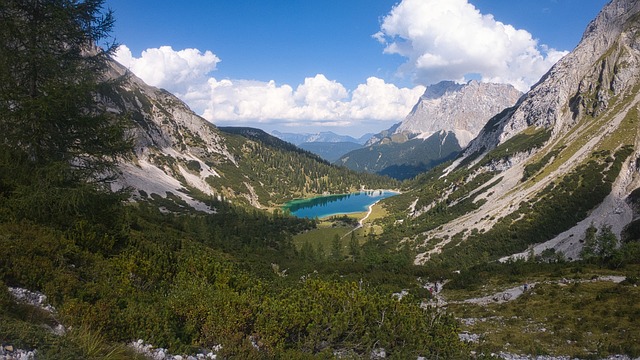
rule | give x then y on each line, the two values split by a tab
330	205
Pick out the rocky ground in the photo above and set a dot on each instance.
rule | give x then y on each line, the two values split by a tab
37	299
506	295
9	352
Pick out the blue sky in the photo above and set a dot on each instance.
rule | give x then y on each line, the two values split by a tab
312	65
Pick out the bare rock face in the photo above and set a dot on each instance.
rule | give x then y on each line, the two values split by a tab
462	109
169	140
586	105
556	100
162	120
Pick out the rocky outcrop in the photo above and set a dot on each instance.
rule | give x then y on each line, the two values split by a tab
576	82
462	109
169	140
585	106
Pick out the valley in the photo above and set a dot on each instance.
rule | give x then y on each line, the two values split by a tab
133	228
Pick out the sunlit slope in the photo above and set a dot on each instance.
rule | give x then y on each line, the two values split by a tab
181	157
541	172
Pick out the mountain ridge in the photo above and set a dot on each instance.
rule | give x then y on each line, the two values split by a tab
184	159
576	123
323	136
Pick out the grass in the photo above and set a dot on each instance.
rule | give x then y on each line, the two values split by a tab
328	228
323	235
624	134
589	127
587	320
28	327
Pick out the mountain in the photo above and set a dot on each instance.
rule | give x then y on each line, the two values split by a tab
330	151
443	121
321	137
403	158
183	161
539	174
462	109
328	145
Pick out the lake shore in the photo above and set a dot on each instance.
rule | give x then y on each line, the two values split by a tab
322	207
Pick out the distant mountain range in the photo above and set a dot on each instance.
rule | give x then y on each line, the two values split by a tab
330	151
327	144
320	137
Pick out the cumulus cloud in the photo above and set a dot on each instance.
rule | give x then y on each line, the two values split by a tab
452	40
166	68
316	101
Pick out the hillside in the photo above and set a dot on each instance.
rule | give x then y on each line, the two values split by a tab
179	155
540	173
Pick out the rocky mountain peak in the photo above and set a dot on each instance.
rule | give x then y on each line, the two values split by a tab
590	71
459	108
578	122
440	89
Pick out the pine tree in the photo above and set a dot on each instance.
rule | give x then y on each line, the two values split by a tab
336	248
590	243
307	252
58	146
50	80
354	247
607	242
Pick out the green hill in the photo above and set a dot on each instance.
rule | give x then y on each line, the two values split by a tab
403	159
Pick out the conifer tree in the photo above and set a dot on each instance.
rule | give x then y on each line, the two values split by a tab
58	145
51	70
354	247
607	242
336	248
590	243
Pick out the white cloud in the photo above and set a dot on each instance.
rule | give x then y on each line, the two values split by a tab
166	68
377	99
318	101
452	40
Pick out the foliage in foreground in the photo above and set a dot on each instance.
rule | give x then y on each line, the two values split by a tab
162	286
567	312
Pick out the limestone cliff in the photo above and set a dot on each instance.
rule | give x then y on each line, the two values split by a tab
565	157
462	109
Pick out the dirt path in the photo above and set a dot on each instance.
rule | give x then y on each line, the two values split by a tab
515	292
361	221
